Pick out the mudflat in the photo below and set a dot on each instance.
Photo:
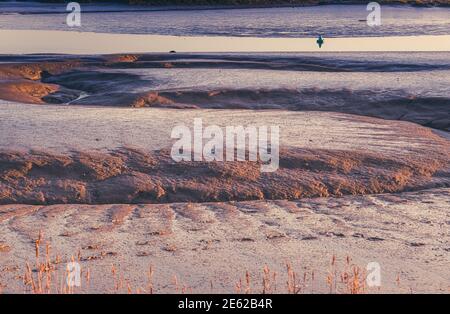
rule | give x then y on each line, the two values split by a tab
86	174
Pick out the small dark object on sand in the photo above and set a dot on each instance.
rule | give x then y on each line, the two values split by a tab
172	51
320	41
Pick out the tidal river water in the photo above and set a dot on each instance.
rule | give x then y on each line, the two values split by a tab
293	22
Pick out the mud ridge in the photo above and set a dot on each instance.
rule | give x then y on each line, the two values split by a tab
132	176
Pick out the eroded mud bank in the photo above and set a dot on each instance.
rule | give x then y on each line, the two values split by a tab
113	81
131	176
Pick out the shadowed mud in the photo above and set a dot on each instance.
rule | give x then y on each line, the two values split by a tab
102	81
428	111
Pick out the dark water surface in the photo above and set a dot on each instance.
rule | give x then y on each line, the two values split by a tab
330	20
